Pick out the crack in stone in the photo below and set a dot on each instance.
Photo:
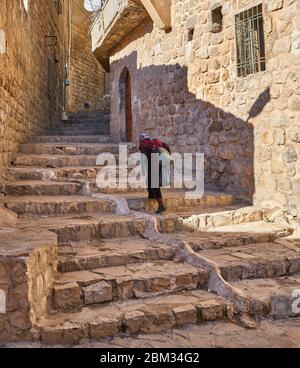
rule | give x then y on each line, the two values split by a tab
243	305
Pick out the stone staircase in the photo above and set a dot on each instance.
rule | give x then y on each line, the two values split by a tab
83	123
115	276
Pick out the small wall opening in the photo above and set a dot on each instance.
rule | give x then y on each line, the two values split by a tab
217	20
126	126
191	34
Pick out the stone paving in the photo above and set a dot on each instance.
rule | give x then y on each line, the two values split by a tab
113	268
269	334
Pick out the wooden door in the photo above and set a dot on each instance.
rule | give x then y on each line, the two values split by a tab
128	104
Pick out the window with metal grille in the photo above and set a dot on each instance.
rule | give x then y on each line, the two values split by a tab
251	56
58	6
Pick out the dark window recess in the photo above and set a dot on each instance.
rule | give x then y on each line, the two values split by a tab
217	20
191	34
50	78
250	43
58	6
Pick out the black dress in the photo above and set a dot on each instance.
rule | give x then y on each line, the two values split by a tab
153	192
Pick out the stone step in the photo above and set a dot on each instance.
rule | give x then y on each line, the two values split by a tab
82	124
84	116
88	173
111	252
177	199
204	219
68	172
119	187
87	227
57	205
71	139
95	122
147	316
78	131
48	188
78	117
74	290
53	161
276	298
237	236
137	195
264	260
71	149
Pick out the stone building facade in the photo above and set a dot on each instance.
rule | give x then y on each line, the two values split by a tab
42	44
32	68
185	89
87	77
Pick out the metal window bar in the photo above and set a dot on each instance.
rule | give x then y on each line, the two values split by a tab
250	41
58	6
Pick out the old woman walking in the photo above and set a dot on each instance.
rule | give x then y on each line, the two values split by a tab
149	147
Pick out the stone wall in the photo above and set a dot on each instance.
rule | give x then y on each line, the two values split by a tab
32	71
87	77
28	263
188	93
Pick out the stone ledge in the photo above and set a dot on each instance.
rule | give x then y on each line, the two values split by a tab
28	263
128	16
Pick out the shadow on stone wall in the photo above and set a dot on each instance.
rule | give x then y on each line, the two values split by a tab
164	106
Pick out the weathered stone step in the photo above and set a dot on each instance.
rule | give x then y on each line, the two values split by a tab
119	187
274	297
71	139
82	122
88	227
82	119
142	280
73	173
204	219
265	260
70	149
111	252
148	315
53	161
68	172
177	199
235	235
57	205
77	131
50	188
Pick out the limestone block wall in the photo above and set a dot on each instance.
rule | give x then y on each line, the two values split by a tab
32	71
28	263
87	77
187	92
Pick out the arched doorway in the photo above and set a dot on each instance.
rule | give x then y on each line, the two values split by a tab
126	107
